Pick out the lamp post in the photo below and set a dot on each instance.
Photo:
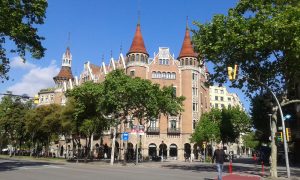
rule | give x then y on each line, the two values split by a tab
232	73
282	122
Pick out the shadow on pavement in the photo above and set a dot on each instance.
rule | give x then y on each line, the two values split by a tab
15	165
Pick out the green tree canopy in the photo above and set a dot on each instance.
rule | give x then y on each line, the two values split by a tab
262	37
208	127
19	20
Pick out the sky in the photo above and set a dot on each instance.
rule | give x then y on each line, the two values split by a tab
101	28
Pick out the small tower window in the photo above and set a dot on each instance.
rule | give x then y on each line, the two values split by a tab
137	57
142	58
132	58
181	62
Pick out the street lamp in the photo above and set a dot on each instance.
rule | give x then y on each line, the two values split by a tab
232	73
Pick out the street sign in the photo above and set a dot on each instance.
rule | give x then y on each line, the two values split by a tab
134	129
141	130
125	136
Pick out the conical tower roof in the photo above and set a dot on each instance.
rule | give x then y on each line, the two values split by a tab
138	45
187	49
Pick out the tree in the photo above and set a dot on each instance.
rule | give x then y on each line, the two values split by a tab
259	114
19	19
43	125
262	38
250	140
208	127
12	122
85	108
124	96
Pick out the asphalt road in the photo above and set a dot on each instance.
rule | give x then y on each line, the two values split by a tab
30	170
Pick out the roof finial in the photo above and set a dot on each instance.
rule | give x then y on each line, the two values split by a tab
121	48
187	22
69	39
139	12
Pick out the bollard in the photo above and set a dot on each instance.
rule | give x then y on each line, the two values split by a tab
262	169
230	167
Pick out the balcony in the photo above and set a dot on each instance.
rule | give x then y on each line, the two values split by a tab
153	130
173	130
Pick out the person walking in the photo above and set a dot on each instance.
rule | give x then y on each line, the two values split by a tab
219	156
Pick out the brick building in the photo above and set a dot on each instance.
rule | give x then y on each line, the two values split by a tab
167	136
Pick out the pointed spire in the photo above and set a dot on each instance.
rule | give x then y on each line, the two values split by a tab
68	53
187	49
138	45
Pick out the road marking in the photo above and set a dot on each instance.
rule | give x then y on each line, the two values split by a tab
40	167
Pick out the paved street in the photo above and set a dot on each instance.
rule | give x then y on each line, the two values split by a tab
38	170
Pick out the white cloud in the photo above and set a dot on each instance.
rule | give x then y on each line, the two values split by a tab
36	79
18	62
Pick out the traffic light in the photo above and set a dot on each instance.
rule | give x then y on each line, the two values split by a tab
230	73
278	136
36	99
235	72
288	134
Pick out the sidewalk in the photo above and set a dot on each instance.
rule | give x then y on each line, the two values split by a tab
240	177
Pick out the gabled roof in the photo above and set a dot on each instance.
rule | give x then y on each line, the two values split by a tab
138	45
187	49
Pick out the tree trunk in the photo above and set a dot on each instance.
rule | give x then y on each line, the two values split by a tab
112	154
273	169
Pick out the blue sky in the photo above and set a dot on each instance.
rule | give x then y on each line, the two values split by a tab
99	27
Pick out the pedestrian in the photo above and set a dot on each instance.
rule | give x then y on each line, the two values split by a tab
219	156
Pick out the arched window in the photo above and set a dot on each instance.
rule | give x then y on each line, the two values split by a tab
186	61
152	150
158	74
132	58
173	75
137	57
153	74
173	150
191	61
169	75
163	75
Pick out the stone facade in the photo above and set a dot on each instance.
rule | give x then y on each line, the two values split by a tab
167	136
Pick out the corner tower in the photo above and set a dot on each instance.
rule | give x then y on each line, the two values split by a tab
65	78
191	85
137	56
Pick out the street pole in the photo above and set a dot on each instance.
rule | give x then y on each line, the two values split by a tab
112	154
283	125
284	136
270	115
137	147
